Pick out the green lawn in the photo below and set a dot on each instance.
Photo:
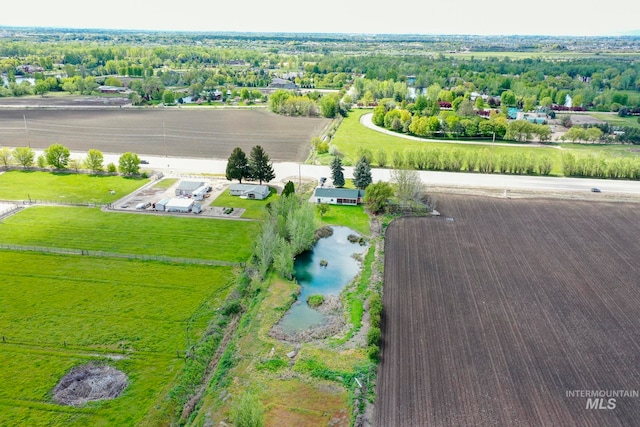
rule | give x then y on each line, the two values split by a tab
253	208
351	135
129	233
65	186
353	217
57	312
615	120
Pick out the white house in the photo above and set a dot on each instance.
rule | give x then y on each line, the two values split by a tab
249	191
338	196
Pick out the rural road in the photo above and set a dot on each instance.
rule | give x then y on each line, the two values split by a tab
286	170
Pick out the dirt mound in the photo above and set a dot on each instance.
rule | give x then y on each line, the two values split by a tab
88	383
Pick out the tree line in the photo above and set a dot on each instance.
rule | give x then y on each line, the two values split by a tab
58	157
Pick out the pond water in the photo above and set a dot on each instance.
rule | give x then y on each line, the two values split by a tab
315	279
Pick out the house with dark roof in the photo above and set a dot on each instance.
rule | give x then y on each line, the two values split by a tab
279	83
338	196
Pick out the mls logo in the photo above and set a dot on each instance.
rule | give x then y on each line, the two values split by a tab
600	403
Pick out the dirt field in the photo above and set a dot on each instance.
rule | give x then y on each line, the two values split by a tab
184	132
509	313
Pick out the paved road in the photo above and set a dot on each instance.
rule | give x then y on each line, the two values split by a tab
292	171
430	178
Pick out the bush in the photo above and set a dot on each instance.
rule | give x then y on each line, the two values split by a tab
111	168
373	336
373	353
315	300
232	307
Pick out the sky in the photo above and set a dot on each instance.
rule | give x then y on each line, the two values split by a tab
480	17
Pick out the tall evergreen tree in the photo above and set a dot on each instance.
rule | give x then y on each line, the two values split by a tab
260	165
362	173
336	172
289	188
237	165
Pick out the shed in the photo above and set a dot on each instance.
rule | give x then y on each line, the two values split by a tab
179	205
161	205
249	191
186	188
338	196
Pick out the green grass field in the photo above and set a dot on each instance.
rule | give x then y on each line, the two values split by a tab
60	311
352	136
57	312
65	186
129	233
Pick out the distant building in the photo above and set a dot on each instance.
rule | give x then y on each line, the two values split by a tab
250	191
278	83
186	188
338	196
112	89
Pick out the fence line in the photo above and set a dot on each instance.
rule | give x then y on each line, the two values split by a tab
104	254
8	212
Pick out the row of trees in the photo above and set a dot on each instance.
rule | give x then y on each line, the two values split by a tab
58	157
597	167
457	160
257	166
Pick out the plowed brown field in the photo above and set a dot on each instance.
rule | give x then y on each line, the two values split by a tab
497	311
185	132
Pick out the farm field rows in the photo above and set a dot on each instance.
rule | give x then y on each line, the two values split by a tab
495	312
191	133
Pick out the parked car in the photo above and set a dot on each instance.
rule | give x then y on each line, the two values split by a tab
143	205
595	190
144	162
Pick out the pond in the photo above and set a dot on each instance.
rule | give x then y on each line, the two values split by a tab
314	279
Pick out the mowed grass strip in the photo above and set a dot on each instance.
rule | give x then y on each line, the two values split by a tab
57	312
66	187
93	229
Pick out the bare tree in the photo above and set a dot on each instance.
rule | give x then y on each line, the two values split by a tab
407	185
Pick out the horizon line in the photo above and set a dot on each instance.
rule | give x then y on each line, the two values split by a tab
630	33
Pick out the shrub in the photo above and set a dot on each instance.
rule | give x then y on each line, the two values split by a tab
373	336
373	353
111	168
315	300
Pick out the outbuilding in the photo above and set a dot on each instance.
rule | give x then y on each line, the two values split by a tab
161	205
249	191
186	188
179	205
338	196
